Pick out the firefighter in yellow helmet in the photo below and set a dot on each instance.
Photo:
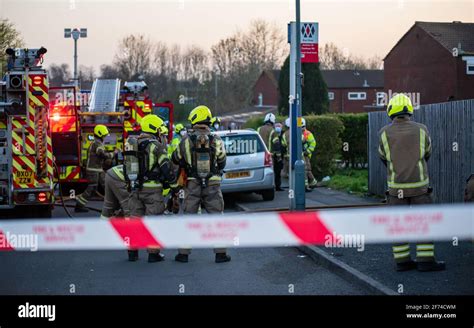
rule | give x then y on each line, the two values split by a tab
404	148
202	154
215	124
309	146
179	134
96	155
147	170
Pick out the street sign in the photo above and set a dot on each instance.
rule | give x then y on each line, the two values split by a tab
309	42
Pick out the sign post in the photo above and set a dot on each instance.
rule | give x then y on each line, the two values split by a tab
303	38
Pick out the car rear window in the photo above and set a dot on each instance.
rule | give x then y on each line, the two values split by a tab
242	144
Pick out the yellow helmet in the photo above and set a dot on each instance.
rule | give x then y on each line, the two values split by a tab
101	131
399	104
178	127
151	123
200	114
163	130
215	119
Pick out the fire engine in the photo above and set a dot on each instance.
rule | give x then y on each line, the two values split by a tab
26	159
76	112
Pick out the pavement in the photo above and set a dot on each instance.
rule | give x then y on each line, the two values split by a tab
375	264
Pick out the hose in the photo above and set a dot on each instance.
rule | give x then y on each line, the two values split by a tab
61	190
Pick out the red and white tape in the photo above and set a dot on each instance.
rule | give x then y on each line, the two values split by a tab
375	225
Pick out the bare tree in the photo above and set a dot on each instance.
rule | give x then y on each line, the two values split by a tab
332	57
195	64
9	38
133	58
59	74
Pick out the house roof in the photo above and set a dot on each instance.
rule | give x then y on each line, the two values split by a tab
449	34
343	78
353	78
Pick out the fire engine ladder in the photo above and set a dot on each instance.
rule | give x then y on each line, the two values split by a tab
104	96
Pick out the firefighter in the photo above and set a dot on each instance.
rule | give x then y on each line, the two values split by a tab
469	191
153	171
215	124
286	148
96	155
116	194
164	135
267	131
309	145
179	134
404	148
279	155
202	155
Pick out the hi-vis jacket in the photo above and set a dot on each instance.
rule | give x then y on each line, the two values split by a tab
404	147
158	161
184	156
269	136
309	143
96	155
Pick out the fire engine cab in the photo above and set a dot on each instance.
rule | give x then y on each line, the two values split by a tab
26	158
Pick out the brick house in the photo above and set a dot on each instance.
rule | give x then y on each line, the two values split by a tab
349	91
353	91
265	90
433	62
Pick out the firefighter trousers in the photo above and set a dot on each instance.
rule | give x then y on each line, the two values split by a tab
95	178
209	198
147	201
310	180
277	168
424	250
116	198
286	167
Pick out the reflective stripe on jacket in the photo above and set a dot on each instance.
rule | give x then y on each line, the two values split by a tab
404	147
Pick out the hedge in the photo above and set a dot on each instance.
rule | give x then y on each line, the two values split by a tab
327	130
354	139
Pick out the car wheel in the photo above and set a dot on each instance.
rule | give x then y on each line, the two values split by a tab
268	195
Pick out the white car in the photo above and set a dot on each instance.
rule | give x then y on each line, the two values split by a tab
249	166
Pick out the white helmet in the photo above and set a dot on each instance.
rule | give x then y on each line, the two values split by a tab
270	118
303	122
287	122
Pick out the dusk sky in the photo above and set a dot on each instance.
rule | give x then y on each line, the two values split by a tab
363	28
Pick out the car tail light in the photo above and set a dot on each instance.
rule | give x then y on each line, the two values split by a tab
268	159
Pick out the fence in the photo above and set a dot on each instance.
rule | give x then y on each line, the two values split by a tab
451	126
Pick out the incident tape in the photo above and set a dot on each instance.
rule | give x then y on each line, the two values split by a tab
272	229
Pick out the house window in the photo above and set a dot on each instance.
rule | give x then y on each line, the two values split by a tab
470	68
356	96
331	95
380	99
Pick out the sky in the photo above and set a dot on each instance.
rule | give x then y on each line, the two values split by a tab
361	28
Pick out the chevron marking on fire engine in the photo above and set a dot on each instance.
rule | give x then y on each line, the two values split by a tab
18	144
271	229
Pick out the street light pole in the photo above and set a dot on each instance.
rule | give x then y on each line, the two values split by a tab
75	34
75	62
